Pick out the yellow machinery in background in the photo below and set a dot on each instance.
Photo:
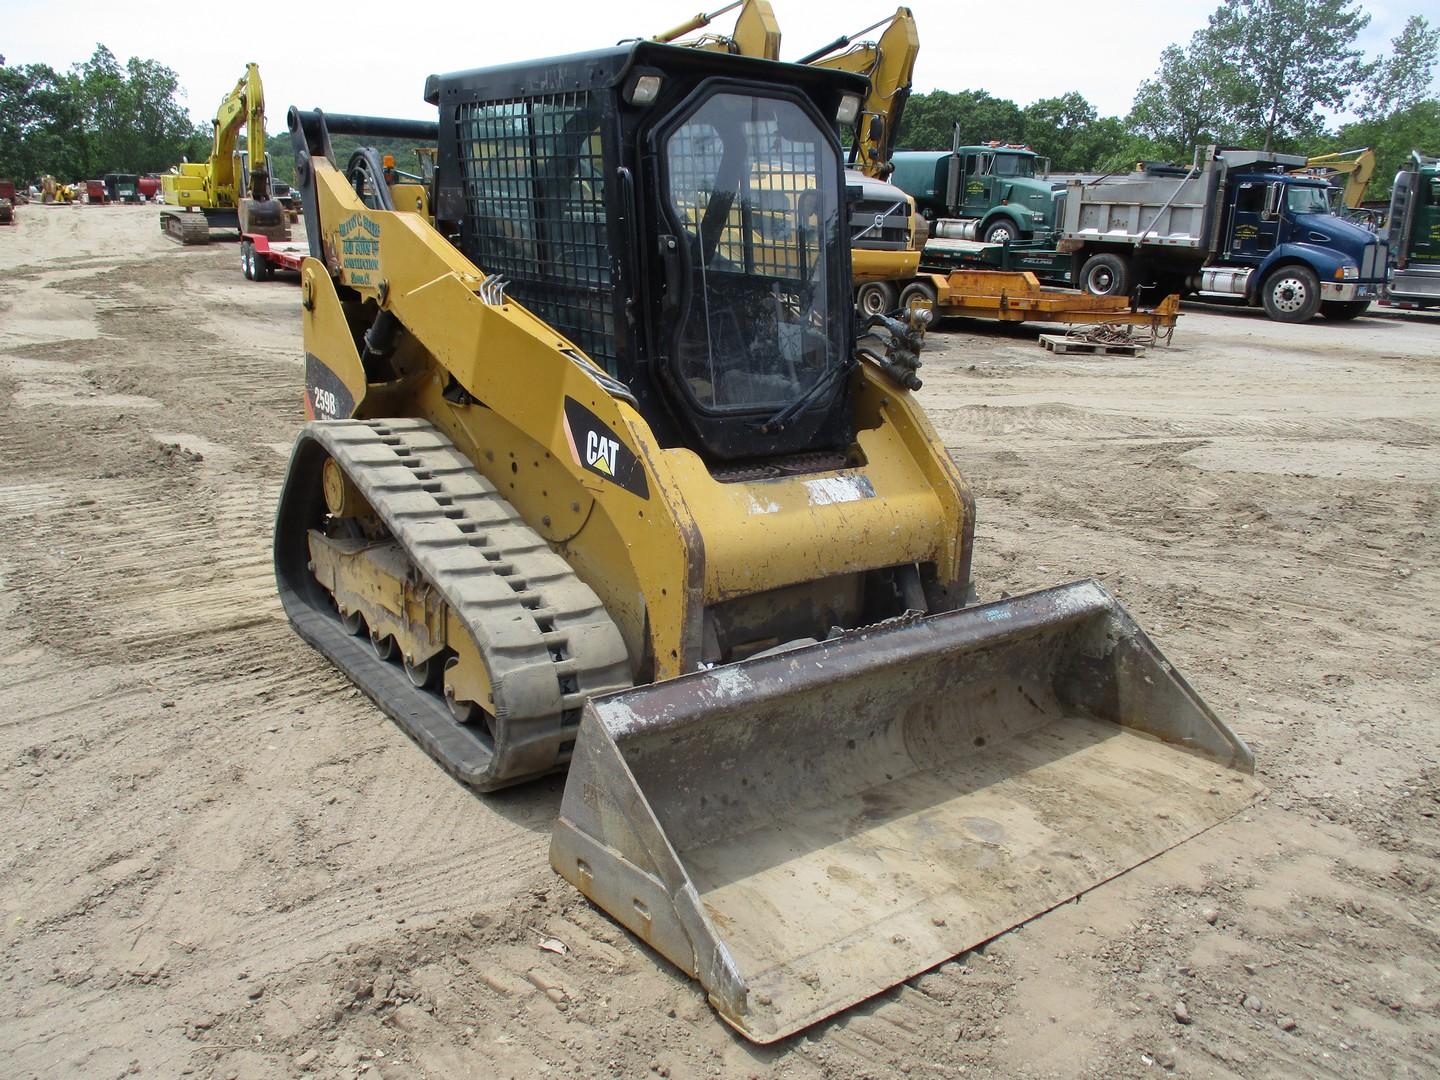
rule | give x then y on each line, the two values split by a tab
886	232
888	64
756	33
1356	166
598	477
231	188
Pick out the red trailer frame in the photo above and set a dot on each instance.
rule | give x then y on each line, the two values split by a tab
260	257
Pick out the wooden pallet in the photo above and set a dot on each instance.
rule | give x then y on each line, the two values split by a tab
1063	346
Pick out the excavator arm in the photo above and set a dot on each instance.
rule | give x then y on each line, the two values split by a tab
756	33
1357	166
889	64
242	107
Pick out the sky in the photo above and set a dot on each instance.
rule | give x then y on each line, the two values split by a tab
367	61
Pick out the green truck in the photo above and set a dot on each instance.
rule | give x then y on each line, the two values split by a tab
1414	235
988	192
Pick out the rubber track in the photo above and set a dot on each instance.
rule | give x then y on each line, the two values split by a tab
185	228
545	637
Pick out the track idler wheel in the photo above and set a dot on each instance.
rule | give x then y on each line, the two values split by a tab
421	674
462	712
383	644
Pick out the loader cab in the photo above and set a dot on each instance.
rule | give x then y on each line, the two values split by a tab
679	216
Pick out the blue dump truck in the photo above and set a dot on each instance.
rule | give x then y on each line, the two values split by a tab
1233	224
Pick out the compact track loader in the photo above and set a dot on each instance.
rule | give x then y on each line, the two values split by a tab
598	475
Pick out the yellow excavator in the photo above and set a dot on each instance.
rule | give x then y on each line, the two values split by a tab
1356	166
887	234
756	33
231	188
597	476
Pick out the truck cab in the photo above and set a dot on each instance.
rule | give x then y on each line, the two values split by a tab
1273	222
1414	234
986	192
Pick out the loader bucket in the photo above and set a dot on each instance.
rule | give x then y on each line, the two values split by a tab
802	830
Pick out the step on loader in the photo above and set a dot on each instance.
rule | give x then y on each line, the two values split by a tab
597	476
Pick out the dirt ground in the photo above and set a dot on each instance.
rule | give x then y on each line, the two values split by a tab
217	859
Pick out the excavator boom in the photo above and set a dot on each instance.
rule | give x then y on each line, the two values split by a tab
889	64
1357	166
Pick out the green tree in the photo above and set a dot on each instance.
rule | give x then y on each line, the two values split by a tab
100	116
1110	145
1392	137
1403	78
930	119
39	113
1279	63
1059	128
1181	106
134	119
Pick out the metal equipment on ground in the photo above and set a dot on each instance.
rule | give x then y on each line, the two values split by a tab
7	202
598	476
231	188
1017	296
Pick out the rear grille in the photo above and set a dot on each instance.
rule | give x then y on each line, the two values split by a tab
880	224
534	183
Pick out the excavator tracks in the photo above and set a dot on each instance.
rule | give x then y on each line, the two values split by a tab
546	641
185	228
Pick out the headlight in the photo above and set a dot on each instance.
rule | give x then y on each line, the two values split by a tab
1347	273
1037	217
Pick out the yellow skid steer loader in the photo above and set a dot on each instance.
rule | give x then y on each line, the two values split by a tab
598	476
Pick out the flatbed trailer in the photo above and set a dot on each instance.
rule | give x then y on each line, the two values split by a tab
1018	296
260	256
1039	257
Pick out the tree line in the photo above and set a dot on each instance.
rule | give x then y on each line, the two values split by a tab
1261	73
99	116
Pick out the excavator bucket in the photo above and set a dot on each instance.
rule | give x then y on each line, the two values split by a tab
805	829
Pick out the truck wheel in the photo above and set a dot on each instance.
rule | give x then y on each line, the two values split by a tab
1291	294
1343	310
1105	275
917	290
1002	231
264	268
247	259
875	298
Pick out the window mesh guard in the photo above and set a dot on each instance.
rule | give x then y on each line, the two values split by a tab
535	210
